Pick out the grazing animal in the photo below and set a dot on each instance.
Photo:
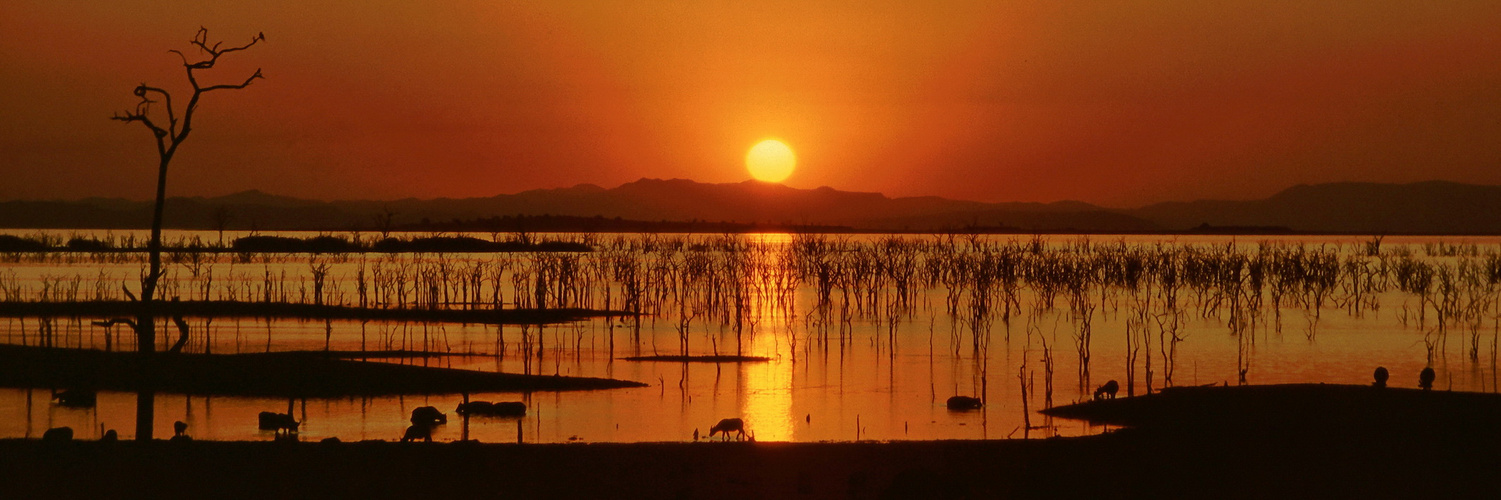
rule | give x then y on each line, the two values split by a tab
272	421
180	431
415	432
76	398
1381	376
110	436
486	408
428	415
58	434
1425	379
727	426
1107	391
963	403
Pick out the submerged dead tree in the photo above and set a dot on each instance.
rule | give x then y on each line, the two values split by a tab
170	128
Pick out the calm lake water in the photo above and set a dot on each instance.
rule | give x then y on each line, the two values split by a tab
856	352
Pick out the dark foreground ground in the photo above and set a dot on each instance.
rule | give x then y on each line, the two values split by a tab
1294	441
1125	464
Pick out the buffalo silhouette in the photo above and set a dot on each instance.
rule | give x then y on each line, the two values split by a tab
428	415
727	426
58	434
417	431
489	409
963	403
272	421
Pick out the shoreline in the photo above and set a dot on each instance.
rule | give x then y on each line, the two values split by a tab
299	374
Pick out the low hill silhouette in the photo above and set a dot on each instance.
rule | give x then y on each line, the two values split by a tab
679	205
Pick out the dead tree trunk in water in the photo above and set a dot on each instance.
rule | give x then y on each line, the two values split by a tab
168	138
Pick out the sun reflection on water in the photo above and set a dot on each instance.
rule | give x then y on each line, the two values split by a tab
767	396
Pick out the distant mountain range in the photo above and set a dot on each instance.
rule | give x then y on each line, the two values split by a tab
1422	208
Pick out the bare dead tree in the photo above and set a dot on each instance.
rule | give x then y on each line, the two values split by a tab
169	135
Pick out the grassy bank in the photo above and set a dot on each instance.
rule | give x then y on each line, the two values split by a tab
239	309
290	374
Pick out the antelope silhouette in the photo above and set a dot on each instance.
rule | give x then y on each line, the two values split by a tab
1381	376
1107	391
1425	379
727	426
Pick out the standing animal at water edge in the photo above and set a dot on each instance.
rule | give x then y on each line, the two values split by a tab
1425	379
58	434
75	398
417	431
110	436
486	408
180	431
428	415
1381	376
272	421
963	403
1107	391
727	426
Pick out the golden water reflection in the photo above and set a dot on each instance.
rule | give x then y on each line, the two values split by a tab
767	396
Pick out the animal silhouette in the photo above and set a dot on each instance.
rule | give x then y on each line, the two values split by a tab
180	431
272	421
486	408
1381	376
428	415
1107	391
76	398
416	431
727	426
110	436
58	434
1425	379
963	403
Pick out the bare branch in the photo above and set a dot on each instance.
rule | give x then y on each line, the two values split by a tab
182	328
200	40
116	321
240	86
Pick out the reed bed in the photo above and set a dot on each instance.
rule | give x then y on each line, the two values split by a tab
717	292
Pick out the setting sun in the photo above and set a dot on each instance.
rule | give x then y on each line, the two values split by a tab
770	161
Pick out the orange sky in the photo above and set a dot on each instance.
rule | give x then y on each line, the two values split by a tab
1119	103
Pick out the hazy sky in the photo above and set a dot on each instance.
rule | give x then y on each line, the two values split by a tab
1120	102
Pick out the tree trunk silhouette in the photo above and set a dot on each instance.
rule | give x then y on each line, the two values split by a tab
167	141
